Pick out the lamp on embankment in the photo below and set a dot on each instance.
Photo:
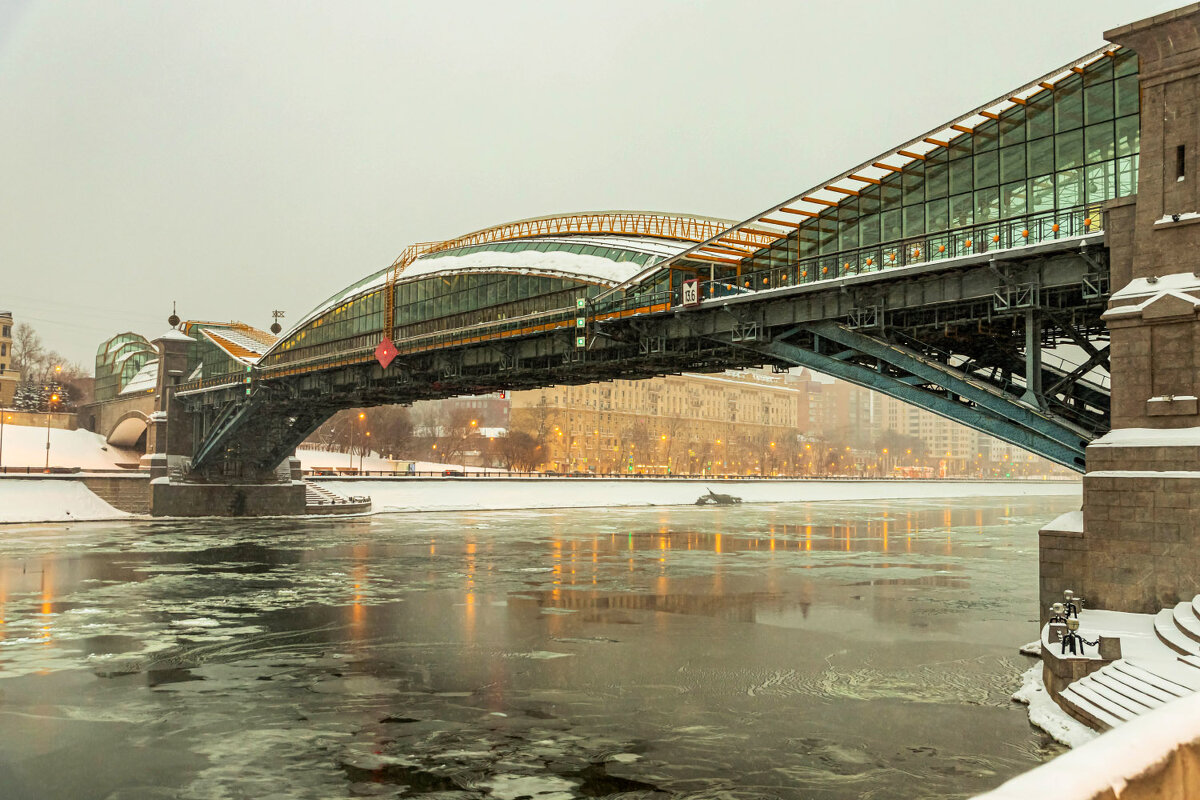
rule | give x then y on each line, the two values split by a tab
49	410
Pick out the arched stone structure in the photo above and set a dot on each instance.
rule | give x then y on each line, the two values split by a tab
129	430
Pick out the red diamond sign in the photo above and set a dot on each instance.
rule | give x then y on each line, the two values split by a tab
385	353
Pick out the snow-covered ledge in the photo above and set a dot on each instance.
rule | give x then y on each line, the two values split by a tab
1149	437
1156	755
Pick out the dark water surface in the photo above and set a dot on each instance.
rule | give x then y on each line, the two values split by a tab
823	650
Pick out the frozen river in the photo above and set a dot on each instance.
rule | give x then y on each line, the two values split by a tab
818	650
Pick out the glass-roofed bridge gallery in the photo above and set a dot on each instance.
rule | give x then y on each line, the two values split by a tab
941	272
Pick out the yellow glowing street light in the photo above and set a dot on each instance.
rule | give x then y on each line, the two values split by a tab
50	408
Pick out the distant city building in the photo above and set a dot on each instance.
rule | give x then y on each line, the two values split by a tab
486	410
9	377
727	423
950	448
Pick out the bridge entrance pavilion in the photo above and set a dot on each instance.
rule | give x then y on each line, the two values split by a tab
1135	546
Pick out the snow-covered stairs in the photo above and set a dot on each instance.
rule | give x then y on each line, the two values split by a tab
1124	689
1166	666
320	500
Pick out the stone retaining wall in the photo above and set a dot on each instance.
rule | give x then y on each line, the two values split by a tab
129	493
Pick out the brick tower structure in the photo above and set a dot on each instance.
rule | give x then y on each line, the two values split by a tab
1136	544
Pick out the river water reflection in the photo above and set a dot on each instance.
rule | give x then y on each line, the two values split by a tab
822	650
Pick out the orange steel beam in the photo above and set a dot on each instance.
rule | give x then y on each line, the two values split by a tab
882	165
938	142
811	199
865	179
726	250
753	246
760	232
962	129
800	211
989	115
779	222
910	154
843	191
735	244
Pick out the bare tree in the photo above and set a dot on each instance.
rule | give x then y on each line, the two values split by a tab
519	451
27	351
37	364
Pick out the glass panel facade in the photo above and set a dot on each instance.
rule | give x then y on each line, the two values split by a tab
1070	146
430	305
118	360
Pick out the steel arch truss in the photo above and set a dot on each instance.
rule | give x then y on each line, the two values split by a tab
965	391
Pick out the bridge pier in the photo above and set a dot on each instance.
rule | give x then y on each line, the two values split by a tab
1135	546
171	441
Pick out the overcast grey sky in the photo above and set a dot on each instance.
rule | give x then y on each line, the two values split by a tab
243	156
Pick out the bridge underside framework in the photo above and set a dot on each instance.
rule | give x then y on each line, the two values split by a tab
965	343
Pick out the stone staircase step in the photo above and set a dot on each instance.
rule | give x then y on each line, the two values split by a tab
1115	703
1184	679
1187	621
1115	684
1087	708
1191	661
1171	636
1151	685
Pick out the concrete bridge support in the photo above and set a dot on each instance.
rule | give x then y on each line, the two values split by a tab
174	491
1136	544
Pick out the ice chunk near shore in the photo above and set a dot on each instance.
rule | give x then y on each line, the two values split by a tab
1045	714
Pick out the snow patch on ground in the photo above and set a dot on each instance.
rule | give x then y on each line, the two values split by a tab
25	446
477	494
1072	522
1044	713
51	500
327	459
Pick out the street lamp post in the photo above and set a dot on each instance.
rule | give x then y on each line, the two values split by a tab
360	452
53	389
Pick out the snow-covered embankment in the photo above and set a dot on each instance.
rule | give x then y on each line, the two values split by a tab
453	494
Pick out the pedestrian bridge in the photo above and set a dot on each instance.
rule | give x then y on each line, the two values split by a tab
964	271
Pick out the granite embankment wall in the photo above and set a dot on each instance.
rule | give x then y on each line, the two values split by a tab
123	492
